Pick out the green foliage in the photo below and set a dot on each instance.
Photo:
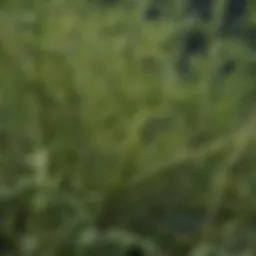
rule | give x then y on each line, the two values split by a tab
107	150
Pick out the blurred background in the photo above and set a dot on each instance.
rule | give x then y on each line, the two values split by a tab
127	127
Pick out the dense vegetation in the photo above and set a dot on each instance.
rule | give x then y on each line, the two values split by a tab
109	148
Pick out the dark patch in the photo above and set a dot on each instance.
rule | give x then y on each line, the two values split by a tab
104	2
202	9
135	250
7	245
195	42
